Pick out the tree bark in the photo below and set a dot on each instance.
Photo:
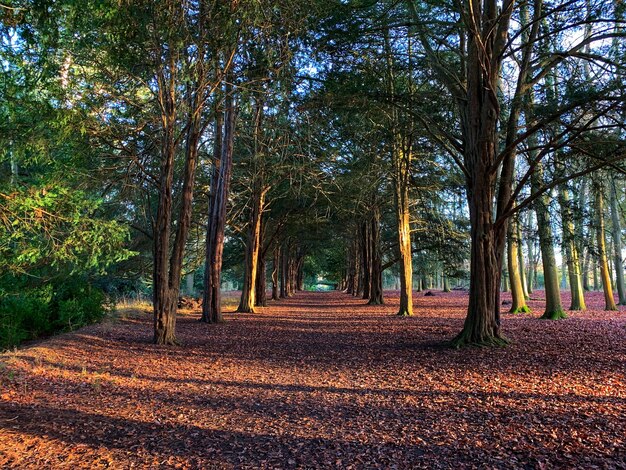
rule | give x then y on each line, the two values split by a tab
366	247
554	309
570	251
220	183
617	245
602	257
260	285
164	303
520	259
248	292
518	304
275	269
376	278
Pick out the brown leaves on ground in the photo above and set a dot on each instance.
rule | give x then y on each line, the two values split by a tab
321	381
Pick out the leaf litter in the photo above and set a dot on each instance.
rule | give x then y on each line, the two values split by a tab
322	380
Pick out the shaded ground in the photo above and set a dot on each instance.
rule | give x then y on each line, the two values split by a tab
321	380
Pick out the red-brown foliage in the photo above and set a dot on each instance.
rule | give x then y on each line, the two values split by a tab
322	380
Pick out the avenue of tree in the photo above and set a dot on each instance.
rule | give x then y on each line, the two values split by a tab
176	147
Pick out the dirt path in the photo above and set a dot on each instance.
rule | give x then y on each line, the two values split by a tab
320	381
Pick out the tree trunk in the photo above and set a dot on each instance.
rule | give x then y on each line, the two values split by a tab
401	155
253	246
404	235
520	259
359	265
366	247
617	245
518	304
446	285
482	324
164	303
596	281
505	280
586	265
275	266
532	267
376	277
299	284
602	258
570	251
283	271
260	285
220	182
554	309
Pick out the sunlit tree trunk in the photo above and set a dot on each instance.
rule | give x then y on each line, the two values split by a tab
617	245
602	257
253	246
401	154
530	247
220	183
163	300
570	251
518	304
520	259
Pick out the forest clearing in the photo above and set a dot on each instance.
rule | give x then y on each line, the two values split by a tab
321	380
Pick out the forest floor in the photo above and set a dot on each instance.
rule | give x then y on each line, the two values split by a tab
321	381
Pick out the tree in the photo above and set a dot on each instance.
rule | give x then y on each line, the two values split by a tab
473	77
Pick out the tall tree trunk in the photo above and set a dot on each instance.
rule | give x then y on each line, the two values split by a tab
505	280
358	260
617	245
291	272
376	278
401	154
299	284
554	309
518	304
283	271
260	285
532	266
602	257
446	285
366	247
570	251
586	268
275	269
404	234
520	259
253	245
482	324
164	303
220	183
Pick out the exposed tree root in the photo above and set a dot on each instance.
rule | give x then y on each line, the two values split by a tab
404	313
522	309
466	339
170	341
241	309
554	315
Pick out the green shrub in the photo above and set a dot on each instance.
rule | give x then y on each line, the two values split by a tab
35	312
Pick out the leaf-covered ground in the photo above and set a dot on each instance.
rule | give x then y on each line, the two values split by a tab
321	381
